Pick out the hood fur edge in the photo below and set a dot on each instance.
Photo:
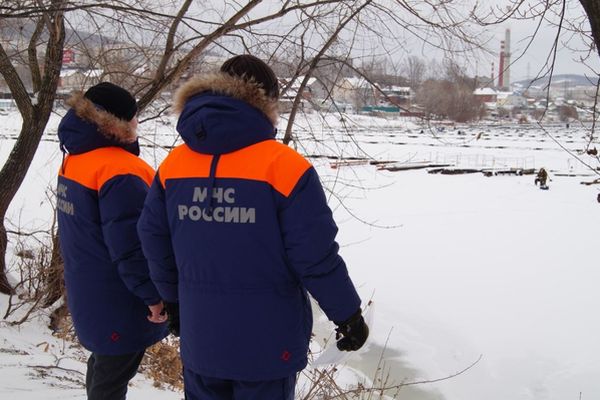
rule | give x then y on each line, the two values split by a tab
223	83
108	124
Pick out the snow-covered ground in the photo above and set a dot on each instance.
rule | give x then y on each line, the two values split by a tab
458	266
35	366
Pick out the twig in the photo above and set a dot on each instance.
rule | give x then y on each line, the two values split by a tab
433	380
56	367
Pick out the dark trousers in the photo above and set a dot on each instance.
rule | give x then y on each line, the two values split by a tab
198	387
107	376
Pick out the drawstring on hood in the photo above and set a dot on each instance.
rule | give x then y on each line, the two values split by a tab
62	162
219	114
211	181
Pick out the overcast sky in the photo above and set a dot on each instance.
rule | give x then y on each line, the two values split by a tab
527	62
528	57
529	54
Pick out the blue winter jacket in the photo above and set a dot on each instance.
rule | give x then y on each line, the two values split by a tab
240	261
102	185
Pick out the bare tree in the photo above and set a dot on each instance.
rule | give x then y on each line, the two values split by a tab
148	45
450	94
567	113
35	111
592	10
443	99
415	69
169	35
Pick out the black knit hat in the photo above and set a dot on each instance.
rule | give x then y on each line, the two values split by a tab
252	68
114	99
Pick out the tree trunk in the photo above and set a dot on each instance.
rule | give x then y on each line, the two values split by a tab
35	116
55	284
4	285
592	9
12	175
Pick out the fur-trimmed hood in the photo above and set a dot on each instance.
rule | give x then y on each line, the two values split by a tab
109	125
219	113
86	127
228	85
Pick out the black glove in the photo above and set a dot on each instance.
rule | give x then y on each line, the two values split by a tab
172	310
353	332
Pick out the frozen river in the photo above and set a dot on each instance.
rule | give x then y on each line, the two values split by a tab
469	265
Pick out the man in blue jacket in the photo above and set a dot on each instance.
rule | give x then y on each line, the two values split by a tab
102	185
237	230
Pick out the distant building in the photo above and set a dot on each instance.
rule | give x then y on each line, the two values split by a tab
354	90
314	88
486	95
567	86
585	93
510	100
395	95
314	92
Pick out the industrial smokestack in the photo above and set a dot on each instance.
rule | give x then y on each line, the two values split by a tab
507	59
501	66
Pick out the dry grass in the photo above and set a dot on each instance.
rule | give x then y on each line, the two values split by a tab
163	364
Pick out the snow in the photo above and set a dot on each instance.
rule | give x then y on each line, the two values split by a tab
488	266
298	81
36	365
89	73
485	92
458	266
67	72
357	82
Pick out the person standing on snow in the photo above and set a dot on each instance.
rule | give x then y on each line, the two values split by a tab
237	230
541	178
102	185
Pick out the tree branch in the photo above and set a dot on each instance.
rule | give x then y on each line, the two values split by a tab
169	45
287	138
34	65
184	63
15	84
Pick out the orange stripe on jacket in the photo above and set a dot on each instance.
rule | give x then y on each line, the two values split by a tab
94	168
268	161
